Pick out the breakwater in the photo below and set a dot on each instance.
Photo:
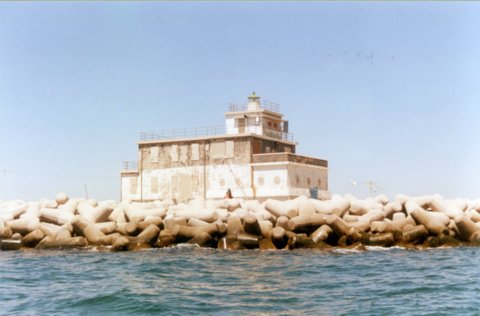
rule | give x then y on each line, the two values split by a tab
342	221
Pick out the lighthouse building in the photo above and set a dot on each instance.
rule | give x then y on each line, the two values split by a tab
253	155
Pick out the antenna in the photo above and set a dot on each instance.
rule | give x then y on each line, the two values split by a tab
373	186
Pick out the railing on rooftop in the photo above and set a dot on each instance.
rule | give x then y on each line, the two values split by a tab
129	166
264	105
184	133
211	131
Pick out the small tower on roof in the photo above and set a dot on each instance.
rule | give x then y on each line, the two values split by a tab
253	102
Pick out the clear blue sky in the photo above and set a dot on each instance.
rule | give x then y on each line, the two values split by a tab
388	92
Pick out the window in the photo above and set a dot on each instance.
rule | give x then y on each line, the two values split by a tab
277	180
195	148
174	153
154	154
217	149
183	153
229	148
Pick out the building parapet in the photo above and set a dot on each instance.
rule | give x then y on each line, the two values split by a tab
282	157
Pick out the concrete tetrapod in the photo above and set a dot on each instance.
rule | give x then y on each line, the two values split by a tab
337	205
127	229
387	226
166	238
209	216
234	228
416	234
87	229
5	232
96	214
266	244
321	234
282	208
248	240
391	208
305	206
111	238
251	225
23	225
32	239
266	228
106	227
211	229
202	240
383	239
298	240
433	225
62	240
196	222
467	228
61	198
147	237
52	229
157	221
341	228
451	208
120	244
55	216
279	237
314	220
282	221
10	244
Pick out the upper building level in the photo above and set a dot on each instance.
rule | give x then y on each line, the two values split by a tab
256	117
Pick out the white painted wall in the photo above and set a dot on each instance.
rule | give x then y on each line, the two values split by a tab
270	179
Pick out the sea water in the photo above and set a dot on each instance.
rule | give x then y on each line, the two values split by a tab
186	281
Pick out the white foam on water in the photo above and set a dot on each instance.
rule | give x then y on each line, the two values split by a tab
185	245
346	251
